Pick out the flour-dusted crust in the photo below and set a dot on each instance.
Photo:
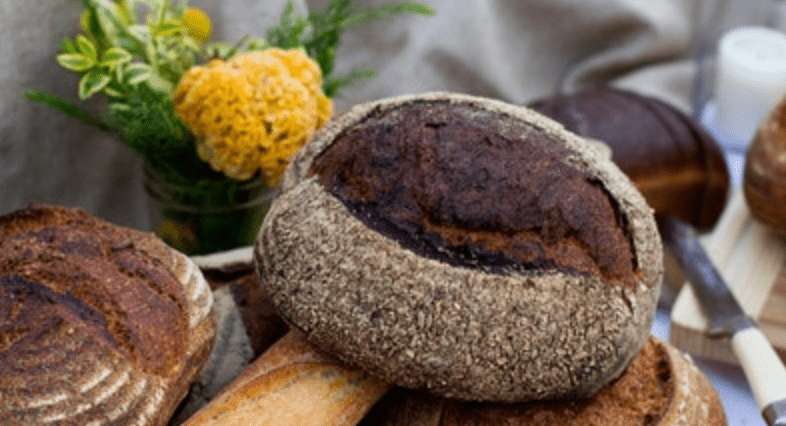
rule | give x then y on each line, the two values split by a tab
661	387
695	401
98	324
456	331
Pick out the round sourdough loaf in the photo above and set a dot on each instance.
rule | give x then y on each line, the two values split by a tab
465	246
98	324
661	387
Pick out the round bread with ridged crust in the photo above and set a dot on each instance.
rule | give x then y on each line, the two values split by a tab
660	387
464	246
99	324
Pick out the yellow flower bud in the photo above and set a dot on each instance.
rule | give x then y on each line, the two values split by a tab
197	24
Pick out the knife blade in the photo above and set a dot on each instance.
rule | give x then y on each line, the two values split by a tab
762	366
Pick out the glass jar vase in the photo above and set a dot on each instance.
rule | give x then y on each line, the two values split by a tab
207	216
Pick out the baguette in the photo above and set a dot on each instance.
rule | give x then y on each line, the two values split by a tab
293	384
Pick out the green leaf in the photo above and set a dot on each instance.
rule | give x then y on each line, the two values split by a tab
158	83
66	107
138	73
75	61
190	44
150	53
162	6
92	83
140	32
68	46
168	28
86	23
110	26
126	11
119	74
119	107
115	56
109	7
113	91
86	47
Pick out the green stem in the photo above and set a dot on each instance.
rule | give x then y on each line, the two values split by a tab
67	108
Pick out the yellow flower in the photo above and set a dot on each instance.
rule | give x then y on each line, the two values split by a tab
197	24
254	111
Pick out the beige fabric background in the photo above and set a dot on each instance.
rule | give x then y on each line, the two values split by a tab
514	50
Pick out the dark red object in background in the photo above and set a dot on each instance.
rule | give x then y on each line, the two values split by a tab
671	159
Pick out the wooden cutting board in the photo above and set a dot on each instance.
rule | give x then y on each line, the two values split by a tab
752	259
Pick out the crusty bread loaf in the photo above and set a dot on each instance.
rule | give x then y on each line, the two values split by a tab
661	387
672	160
765	171
293	384
464	246
98	324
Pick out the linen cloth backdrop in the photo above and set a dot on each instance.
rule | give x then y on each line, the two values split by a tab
514	50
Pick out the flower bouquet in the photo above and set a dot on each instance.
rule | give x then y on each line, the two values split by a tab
215	123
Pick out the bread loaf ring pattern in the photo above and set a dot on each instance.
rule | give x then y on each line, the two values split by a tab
461	330
98	324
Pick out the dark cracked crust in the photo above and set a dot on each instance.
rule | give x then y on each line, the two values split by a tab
473	187
459	332
97	322
660	387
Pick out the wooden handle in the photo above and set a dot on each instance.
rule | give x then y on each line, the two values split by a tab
293	384
764	370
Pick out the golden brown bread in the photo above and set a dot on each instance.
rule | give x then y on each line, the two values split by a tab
672	160
523	237
765	171
98	324
660	387
293	384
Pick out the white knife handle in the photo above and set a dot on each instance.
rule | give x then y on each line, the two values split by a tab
764	370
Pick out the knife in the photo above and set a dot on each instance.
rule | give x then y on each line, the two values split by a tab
762	366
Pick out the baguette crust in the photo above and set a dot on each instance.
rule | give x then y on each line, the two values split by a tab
459	332
676	394
100	324
293	384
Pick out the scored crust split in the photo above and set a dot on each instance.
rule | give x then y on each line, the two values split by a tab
98	324
463	246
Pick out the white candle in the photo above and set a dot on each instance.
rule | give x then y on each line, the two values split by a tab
751	79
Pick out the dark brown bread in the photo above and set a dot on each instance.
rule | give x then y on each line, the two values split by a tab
660	387
98	323
262	324
671	159
450	262
473	188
